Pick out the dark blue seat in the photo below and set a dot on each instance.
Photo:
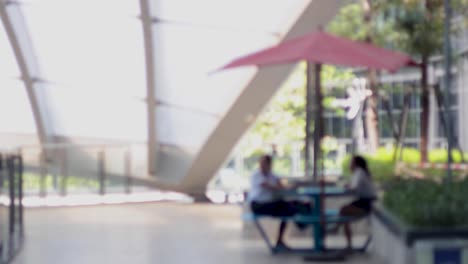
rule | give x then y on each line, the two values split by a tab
332	218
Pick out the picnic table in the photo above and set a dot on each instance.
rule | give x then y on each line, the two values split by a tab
314	218
330	216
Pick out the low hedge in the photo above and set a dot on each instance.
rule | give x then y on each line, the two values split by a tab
440	156
382	165
425	203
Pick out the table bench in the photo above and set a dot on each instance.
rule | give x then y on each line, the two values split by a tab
332	217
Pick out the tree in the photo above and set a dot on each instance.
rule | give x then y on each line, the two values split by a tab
420	27
414	26
362	21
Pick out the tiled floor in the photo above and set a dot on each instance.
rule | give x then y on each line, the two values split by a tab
145	233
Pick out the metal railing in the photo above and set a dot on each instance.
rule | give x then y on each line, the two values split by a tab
63	169
11	207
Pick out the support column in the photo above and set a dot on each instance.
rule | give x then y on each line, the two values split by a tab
25	65
147	24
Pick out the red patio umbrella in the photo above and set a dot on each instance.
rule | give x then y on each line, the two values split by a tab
322	48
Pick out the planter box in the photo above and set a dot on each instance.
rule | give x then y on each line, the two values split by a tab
399	243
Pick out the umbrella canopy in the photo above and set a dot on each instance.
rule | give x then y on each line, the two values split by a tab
323	48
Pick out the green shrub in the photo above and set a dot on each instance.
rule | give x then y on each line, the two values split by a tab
440	156
382	165
425	203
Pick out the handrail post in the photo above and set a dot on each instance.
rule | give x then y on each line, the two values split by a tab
128	172
11	187
102	172
2	169
64	172
43	174
20	194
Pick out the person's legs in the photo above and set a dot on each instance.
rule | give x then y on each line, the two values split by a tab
277	208
282	229
283	208
290	208
350	210
347	230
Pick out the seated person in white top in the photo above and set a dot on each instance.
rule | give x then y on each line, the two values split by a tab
263	197
363	187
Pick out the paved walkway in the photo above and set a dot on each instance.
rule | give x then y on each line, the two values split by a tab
145	233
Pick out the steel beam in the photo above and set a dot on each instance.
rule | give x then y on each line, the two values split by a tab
24	65
147	23
251	101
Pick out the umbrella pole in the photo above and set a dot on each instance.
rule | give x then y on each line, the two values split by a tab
318	133
318	122
308	112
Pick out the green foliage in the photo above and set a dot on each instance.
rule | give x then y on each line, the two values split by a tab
283	120
421	27
419	24
350	22
337	75
440	156
424	203
382	165
413	26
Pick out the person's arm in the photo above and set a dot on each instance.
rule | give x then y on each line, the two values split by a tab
355	182
309	183
273	185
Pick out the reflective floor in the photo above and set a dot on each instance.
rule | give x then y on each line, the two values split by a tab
145	233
